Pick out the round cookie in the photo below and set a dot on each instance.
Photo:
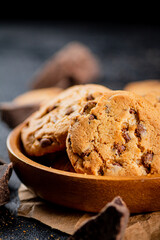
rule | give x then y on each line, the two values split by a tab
46	130
117	135
143	87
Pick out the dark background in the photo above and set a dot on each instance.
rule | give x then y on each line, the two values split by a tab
127	45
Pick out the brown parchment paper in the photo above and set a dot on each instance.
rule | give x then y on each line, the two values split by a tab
141	226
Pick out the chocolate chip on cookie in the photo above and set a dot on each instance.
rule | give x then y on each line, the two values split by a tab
147	158
45	142
140	130
53	119
123	142
90	97
119	147
87	108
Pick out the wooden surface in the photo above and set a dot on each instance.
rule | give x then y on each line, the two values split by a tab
79	191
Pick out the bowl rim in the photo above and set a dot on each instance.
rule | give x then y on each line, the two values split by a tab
11	144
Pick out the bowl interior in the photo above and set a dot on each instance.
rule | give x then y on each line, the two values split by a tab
56	162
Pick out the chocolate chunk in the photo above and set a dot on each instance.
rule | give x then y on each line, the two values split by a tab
126	135
110	223
74	64
92	117
120	148
147	159
140	130
69	111
87	108
5	173
101	172
90	97
45	142
140	147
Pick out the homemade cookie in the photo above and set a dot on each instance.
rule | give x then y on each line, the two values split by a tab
143	87
46	130
118	135
154	98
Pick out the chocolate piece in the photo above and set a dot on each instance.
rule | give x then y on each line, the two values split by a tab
109	224
13	114
147	159
87	108
45	142
140	130
74	64
100	171
126	135
120	148
140	147
90	97
5	173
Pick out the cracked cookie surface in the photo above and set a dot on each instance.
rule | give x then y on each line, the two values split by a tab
117	135
46	130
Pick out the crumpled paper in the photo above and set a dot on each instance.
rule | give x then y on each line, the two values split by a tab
140	226
64	219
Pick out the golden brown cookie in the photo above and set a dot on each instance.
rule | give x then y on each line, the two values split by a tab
143	87
117	134
154	98
46	130
37	96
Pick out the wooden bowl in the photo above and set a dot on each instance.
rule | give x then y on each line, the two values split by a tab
83	192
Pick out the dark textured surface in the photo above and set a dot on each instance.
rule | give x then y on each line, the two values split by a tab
127	53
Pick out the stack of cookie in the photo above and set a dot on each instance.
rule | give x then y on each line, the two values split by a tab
105	132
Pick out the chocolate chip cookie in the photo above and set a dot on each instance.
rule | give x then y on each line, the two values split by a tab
46	130
117	135
154	98
143	87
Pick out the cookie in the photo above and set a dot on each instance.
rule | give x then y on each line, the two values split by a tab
46	130
37	96
117	135
154	98
143	87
